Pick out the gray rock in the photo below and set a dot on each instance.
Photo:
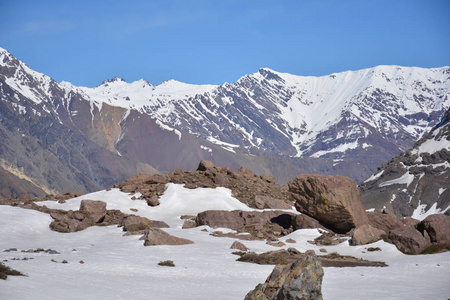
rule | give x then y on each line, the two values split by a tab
301	280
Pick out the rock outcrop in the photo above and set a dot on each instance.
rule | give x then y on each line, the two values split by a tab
253	190
299	280
261	224
332	200
156	236
437	227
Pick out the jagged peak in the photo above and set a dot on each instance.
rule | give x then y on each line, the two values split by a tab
114	79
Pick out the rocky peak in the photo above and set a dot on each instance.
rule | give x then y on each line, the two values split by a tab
113	80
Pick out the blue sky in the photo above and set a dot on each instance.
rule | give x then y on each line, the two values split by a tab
199	41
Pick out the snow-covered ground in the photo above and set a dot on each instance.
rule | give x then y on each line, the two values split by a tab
120	267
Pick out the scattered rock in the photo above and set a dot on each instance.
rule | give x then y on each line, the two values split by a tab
291	241
239	246
94	210
323	250
329	239
189	224
299	280
155	236
136	223
332	200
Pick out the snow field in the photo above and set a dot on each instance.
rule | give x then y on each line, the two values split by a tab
120	267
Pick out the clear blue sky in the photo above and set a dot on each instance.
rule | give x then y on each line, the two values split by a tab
199	41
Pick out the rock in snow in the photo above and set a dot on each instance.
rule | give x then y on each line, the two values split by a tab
301	280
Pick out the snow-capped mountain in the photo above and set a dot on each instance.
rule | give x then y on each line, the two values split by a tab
361	116
417	182
280	124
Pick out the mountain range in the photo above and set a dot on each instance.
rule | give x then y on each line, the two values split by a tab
58	137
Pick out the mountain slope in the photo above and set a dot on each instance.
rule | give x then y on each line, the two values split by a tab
360	117
417	182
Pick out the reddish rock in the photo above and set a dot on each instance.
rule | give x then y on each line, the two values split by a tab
438	228
332	200
187	224
135	223
385	222
95	210
239	246
366	234
205	165
263	202
408	240
304	222
156	236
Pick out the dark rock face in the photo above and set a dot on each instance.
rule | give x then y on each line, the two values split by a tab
418	176
366	234
156	236
437	227
332	200
295	281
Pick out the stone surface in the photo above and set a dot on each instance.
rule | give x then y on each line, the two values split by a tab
438	228
408	240
304	222
385	222
332	200
95	210
135	223
366	234
294	281
239	246
155	236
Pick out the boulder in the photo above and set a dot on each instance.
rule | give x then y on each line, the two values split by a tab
304	222
408	240
332	200
205	165
238	219
438	228
263	202
366	234
155	236
294	281
94	210
239	246
385	222
189	224
136	223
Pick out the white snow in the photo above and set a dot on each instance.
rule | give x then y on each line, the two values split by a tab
421	213
120	267
406	178
374	176
168	128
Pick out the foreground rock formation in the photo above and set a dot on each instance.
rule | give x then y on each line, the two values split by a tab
299	280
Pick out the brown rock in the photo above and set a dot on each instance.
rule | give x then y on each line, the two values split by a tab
239	246
160	224
135	223
438	228
304	222
189	224
366	234
385	222
332	200
155	236
408	240
263	202
291	241
94	210
205	165
152	200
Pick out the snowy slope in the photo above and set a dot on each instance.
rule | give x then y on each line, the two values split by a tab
417	182
120	267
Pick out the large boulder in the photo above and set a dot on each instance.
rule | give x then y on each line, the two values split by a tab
385	222
136	223
409	240
305	222
332	200
301	280
438	228
366	234
95	210
238	219
155	236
